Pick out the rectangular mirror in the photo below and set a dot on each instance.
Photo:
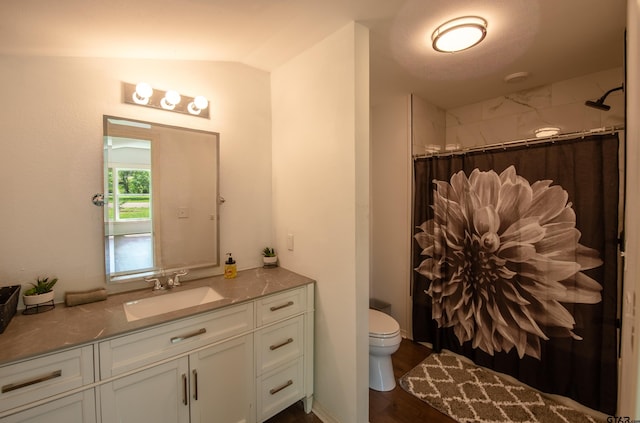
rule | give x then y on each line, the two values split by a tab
160	199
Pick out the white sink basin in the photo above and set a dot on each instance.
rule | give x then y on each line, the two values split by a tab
166	303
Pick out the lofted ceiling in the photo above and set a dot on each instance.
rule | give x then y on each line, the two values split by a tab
552	40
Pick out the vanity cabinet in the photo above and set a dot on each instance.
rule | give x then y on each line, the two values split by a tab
243	363
240	363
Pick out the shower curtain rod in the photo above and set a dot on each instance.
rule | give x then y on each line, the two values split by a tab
526	141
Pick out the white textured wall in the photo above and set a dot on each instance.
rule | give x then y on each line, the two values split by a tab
390	197
51	157
320	196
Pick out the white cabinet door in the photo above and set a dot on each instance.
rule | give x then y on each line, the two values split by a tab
80	407
223	383
158	394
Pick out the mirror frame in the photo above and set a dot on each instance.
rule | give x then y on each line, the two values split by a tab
200	269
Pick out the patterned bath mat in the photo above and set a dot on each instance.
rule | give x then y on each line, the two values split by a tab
468	393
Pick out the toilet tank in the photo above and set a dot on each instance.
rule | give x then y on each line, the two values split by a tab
380	305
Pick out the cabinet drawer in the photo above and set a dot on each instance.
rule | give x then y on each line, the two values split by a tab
278	344
79	407
280	306
279	389
129	352
45	376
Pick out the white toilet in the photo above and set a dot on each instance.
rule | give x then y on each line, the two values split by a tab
384	340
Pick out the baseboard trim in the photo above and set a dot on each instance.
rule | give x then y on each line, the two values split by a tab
322	413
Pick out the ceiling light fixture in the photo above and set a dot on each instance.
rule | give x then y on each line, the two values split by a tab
459	34
548	131
516	77
143	94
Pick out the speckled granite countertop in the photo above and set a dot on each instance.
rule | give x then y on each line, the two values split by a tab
64	327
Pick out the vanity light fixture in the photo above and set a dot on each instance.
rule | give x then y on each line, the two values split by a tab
548	131
143	94
459	34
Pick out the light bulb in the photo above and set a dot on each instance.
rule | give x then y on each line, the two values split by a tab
143	93
171	98
197	105
201	102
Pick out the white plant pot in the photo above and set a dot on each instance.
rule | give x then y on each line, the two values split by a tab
30	300
270	261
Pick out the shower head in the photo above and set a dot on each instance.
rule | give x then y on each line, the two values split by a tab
599	103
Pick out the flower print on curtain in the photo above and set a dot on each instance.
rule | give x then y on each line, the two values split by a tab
512	257
515	258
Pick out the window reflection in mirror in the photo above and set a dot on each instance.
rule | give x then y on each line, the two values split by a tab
129	229
160	199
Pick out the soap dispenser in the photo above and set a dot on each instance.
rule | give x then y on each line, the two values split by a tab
230	270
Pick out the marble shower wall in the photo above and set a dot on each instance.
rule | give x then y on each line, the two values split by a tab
518	115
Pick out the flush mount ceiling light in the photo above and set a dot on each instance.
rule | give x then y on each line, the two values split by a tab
143	94
459	34
548	131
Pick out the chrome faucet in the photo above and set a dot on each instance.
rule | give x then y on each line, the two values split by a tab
171	281
176	277
157	285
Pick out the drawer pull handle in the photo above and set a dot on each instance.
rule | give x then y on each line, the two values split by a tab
185	399
195	385
13	386
176	339
280	345
281	387
276	308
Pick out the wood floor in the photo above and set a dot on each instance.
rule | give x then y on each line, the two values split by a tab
395	406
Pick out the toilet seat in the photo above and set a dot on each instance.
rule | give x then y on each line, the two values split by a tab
382	326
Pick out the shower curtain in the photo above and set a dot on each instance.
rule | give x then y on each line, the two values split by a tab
515	263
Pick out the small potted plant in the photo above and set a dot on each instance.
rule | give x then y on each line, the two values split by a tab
41	292
269	257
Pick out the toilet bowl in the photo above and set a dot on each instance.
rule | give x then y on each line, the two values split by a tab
384	340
